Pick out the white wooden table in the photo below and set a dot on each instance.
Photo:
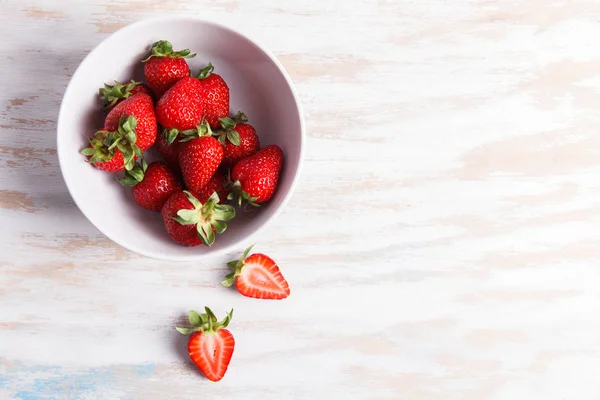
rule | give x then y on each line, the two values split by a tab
443	243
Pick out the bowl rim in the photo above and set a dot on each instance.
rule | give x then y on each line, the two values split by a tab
239	243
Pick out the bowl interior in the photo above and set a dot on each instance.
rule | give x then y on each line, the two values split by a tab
257	86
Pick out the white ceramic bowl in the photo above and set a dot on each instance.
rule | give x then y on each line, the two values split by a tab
258	85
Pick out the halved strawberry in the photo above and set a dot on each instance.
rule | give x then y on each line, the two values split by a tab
211	345
257	276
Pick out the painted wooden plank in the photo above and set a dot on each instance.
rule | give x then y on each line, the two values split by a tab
442	243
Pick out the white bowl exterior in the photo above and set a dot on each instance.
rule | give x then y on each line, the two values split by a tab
259	86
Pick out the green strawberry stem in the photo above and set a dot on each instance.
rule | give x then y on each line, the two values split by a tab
98	152
208	216
164	48
203	129
200	131
236	266
170	135
206	322
206	71
124	138
240	118
136	175
240	196
113	93
228	132
227	123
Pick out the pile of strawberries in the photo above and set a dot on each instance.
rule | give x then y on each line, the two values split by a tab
210	156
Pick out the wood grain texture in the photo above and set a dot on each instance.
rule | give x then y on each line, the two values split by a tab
442	243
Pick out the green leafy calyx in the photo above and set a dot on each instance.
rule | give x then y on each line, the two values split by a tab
236	267
124	139
206	71
228	132
164	48
136	175
209	217
113	93
242	197
98	150
240	118
200	131
170	135
104	143
206	322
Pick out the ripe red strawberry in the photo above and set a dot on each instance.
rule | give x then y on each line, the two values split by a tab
199	158
192	220
165	67
211	345
152	184
257	276
103	158
215	94
113	94
255	178
168	151
181	108
238	138
130	127
141	107
193	99
218	184
114	151
142	88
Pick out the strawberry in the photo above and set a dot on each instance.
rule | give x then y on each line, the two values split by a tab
152	184
211	345
130	127
218	184
215	94
238	138
255	178
181	108
103	158
168	151
192	220
193	99
114	151
141	107
165	67
257	276
199	157
113	94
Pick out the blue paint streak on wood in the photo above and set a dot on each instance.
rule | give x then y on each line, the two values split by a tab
56	383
